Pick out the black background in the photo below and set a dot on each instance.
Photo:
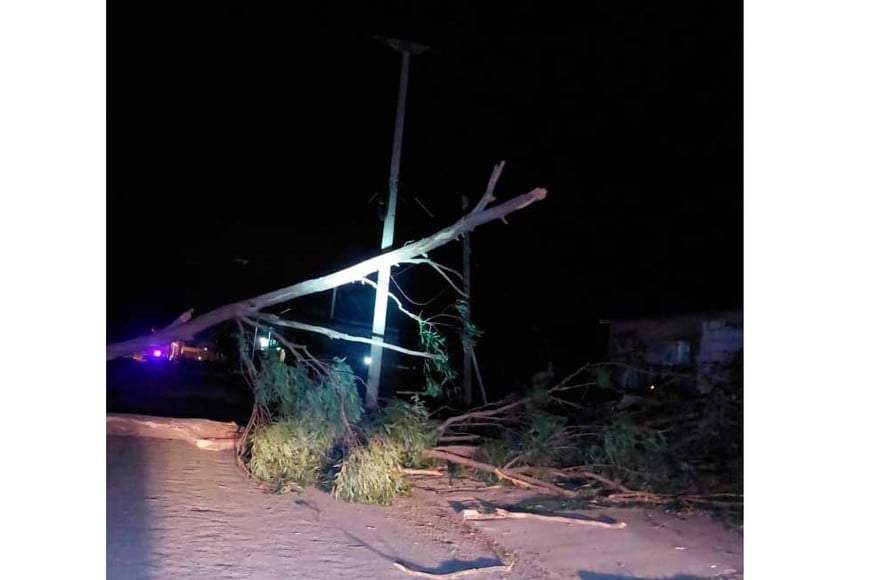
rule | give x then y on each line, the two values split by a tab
259	132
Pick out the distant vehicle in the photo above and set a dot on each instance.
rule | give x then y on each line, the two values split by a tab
177	351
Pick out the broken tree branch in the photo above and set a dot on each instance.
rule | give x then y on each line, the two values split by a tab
432	472
587	474
490	188
488	411
182	318
467	223
442	270
517	482
501	472
481	414
273	319
470	514
398	302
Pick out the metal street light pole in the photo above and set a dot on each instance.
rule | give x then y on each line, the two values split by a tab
380	315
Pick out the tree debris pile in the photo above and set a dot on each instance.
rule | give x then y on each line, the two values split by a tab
308	428
575	439
580	438
584	437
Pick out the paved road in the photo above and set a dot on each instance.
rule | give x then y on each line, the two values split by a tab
174	511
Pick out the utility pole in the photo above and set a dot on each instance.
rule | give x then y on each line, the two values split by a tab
379	322
466	278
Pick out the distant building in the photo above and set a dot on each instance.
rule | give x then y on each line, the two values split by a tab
178	350
695	344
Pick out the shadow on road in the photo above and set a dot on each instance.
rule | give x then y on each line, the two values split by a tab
128	544
445	568
586	575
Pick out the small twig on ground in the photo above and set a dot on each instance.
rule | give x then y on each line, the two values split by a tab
434	472
513	480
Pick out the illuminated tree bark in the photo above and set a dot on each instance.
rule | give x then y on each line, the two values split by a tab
186	328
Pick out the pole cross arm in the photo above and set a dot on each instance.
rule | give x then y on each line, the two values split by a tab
414	48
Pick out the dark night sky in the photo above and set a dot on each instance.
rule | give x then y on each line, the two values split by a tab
236	130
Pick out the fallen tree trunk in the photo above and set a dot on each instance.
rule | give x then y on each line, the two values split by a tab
203	433
188	330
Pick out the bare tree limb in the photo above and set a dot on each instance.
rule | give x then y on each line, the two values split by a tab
517	482
272	319
248	364
467	223
182	318
489	410
481	414
442	270
299	352
323	371
490	188
470	514
432	472
408	298
522	480
501	472
585	473
398	302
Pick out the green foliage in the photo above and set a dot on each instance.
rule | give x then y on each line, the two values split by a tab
543	442
495	452
437	371
290	450
470	332
338	399
320	433
395	438
317	415
290	391
282	388
316	418
638	456
545	439
310	417
603	379
407	426
371	473
721	424
716	442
